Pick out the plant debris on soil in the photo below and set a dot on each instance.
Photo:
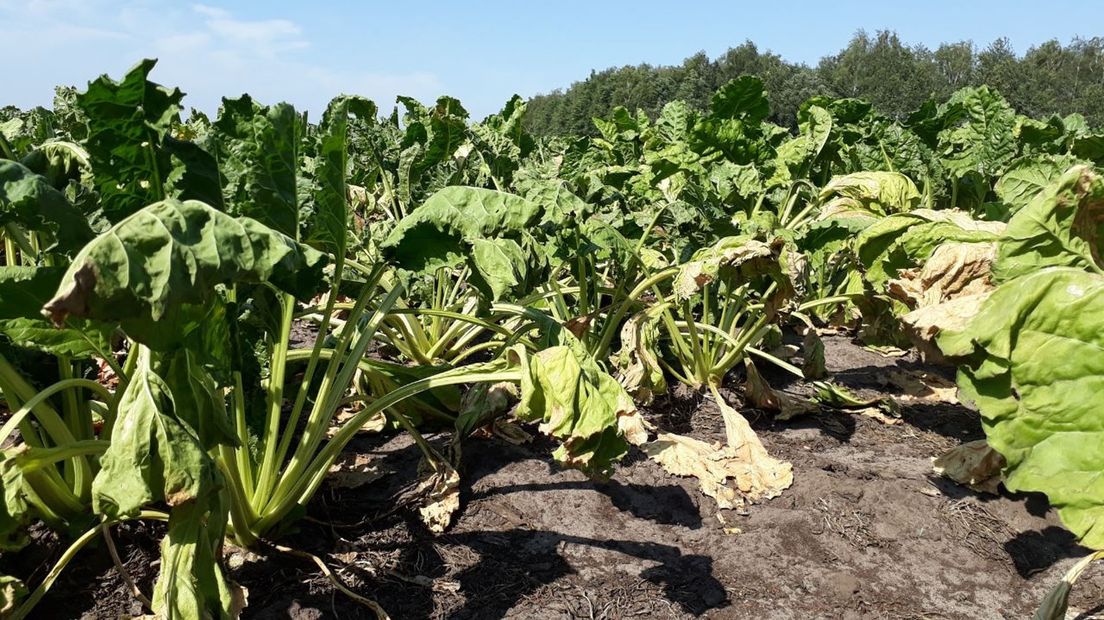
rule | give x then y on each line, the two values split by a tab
866	531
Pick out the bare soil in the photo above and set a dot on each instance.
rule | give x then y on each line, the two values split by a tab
865	532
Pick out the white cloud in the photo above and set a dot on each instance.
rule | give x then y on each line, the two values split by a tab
206	50
266	38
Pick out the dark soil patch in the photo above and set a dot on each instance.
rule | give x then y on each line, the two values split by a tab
865	532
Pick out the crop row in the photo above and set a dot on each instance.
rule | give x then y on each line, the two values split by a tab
466	276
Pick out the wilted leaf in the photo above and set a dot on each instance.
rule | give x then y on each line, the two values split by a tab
923	386
973	464
706	264
172	253
577	403
442	496
953	270
354	470
866	193
12	591
926	323
637	362
761	395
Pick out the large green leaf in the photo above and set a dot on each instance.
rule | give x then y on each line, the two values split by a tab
1062	226
258	153
1028	177
1033	366
328	225
741	98
978	133
27	200
457	224
134	160
191	583
172	253
153	456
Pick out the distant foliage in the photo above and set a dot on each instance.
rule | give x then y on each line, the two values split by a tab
895	77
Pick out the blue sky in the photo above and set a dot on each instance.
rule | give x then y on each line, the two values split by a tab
481	52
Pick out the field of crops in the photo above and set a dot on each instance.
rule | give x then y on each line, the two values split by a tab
400	362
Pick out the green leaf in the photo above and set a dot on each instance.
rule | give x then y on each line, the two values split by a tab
797	155
191	583
197	399
978	133
1062	226
153	456
457	224
328	228
501	265
128	124
1028	177
59	161
15	511
27	200
258	153
173	253
741	98
1033	366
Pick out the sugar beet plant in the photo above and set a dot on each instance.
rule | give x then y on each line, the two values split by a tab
158	276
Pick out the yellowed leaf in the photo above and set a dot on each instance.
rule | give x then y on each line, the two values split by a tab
442	496
876	413
633	427
354	470
973	464
923	386
754	474
374	424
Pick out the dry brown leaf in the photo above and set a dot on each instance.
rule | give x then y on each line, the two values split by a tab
755	474
442	496
973	464
686	456
374	424
354	470
945	292
876	413
633	427
925	323
923	386
953	270
239	599
767	476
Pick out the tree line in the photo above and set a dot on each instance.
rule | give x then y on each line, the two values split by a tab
895	77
